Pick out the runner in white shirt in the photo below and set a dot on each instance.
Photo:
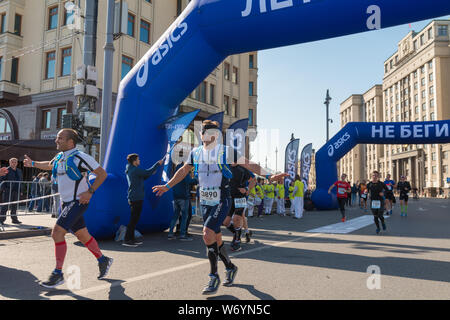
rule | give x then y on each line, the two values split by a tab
70	168
215	197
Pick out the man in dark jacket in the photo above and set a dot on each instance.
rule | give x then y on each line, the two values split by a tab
136	193
11	191
181	199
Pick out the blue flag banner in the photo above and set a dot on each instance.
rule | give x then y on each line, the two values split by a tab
175	127
235	136
291	162
305	166
217	117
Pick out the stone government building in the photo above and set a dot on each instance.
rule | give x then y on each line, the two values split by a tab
416	87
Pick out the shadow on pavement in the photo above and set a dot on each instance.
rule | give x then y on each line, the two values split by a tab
12	282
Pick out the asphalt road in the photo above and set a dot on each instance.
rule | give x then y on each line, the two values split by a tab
283	261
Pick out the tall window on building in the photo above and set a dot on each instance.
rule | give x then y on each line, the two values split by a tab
46	119
1	68
66	62
179	7
68	17
251	88
430	33
127	65
234	108
18	24
251	61
131	21
3	23
50	65
212	93
4	125
14	70
61	113
226	105
250	117
442	30
144	34
202	91
52	18
234	76
226	71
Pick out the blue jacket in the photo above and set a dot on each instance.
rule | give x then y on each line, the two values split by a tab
136	177
183	189
12	175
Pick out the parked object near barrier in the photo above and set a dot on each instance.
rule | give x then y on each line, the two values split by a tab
199	39
354	133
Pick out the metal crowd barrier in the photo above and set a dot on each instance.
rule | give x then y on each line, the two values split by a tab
26	196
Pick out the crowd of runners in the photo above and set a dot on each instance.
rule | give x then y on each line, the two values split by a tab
376	195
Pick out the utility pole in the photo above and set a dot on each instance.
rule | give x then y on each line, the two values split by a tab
107	80
327	103
276	159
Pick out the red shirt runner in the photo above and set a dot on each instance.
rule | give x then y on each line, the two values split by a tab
342	188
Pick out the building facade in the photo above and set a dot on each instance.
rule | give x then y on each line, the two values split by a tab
416	87
39	55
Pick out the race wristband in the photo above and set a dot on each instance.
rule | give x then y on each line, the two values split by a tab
167	186
32	163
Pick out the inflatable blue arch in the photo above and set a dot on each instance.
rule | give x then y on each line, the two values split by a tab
369	133
204	34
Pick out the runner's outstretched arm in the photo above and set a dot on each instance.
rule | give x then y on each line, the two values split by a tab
257	169
43	165
177	178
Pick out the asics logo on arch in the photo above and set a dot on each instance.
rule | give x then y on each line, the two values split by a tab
164	48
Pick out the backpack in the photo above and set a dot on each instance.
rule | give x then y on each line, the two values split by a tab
71	169
221	162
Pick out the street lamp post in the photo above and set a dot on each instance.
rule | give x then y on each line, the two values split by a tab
327	103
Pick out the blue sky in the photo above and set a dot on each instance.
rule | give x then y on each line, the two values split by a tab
292	83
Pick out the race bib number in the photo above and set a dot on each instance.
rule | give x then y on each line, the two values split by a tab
364	196
376	204
389	187
341	190
251	201
240	203
210	196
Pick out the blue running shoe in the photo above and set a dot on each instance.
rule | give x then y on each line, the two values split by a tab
378	231
384	227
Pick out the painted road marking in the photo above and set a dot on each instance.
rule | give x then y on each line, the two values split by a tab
346	227
108	286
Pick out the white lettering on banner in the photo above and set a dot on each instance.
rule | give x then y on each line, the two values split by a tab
274	5
405	132
440	131
418	131
292	155
161	52
374	21
411	131
330	150
306	161
336	145
390	132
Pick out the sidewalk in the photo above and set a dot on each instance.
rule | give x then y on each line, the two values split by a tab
32	225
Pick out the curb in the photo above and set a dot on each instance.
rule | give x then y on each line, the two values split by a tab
24	233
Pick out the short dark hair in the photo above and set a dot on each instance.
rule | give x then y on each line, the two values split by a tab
72	134
132	158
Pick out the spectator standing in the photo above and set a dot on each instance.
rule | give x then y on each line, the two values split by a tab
136	193
11	191
181	199
34	191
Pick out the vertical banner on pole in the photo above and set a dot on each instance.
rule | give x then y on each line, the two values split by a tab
291	162
305	165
